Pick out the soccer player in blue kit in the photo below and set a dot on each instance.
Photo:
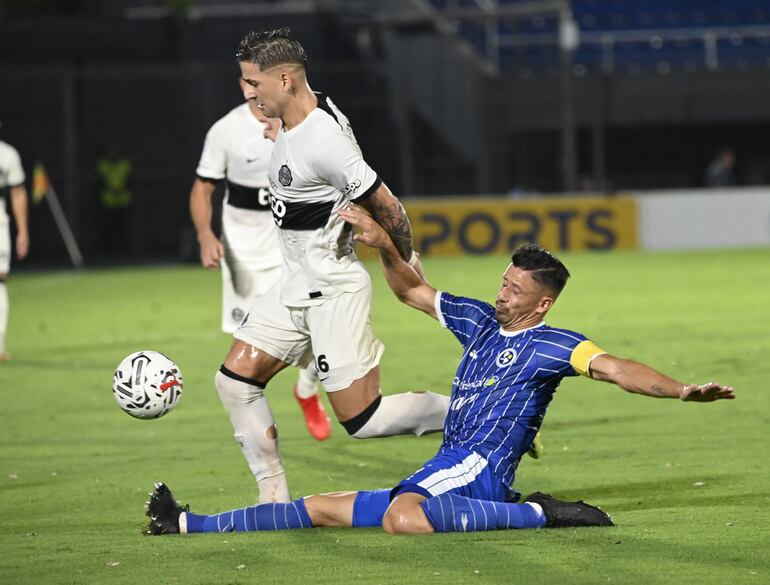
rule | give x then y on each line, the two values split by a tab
511	366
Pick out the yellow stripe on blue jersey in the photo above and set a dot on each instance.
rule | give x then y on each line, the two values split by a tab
582	355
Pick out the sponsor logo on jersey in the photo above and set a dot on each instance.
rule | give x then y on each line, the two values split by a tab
284	175
279	209
459	403
463	385
293	215
351	188
506	357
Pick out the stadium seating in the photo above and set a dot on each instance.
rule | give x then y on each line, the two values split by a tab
625	35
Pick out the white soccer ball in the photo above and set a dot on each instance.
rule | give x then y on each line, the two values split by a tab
147	384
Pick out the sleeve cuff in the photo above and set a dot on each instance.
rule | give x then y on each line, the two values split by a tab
437	307
209	179
374	186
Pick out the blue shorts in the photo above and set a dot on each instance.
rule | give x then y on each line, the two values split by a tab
455	471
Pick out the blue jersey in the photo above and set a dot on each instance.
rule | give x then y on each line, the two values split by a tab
505	381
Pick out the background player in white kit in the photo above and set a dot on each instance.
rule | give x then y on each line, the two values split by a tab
237	151
11	182
319	308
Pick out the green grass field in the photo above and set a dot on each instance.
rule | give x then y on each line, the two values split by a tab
686	483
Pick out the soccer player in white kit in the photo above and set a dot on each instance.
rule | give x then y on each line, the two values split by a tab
11	182
237	151
319	310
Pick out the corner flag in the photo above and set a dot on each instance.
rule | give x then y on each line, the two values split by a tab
40	183
43	189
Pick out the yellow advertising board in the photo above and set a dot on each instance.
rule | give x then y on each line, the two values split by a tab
446	227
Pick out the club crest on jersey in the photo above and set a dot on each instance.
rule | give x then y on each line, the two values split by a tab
284	175
506	357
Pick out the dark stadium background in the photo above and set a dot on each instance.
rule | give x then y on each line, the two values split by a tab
446	97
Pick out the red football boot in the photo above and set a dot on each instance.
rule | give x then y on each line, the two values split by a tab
317	421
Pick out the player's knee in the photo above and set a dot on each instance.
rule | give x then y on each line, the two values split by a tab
327	510
234	387
315	510
405	519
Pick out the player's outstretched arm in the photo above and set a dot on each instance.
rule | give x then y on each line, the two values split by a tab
402	278
212	249
641	379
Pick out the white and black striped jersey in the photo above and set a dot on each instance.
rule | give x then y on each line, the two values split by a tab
315	168
11	171
237	152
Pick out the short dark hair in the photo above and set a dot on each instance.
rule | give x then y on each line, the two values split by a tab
546	268
269	48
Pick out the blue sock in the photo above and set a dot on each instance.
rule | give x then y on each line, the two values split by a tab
259	517
369	508
453	513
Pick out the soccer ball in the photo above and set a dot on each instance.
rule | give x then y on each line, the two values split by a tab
147	384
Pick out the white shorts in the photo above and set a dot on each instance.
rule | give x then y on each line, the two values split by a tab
235	306
5	240
252	262
336	334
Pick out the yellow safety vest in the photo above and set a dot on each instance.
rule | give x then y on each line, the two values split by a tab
115	174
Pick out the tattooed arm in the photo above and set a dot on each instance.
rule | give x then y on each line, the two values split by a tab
641	379
387	211
404	280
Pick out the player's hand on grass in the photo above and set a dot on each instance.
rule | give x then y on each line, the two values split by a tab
212	250
708	392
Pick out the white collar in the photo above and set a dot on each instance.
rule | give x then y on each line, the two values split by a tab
505	333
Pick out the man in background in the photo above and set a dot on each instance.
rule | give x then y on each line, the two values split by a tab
720	173
11	184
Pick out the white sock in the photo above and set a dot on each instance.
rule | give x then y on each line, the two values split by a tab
410	413
257	435
307	382
3	314
183	523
